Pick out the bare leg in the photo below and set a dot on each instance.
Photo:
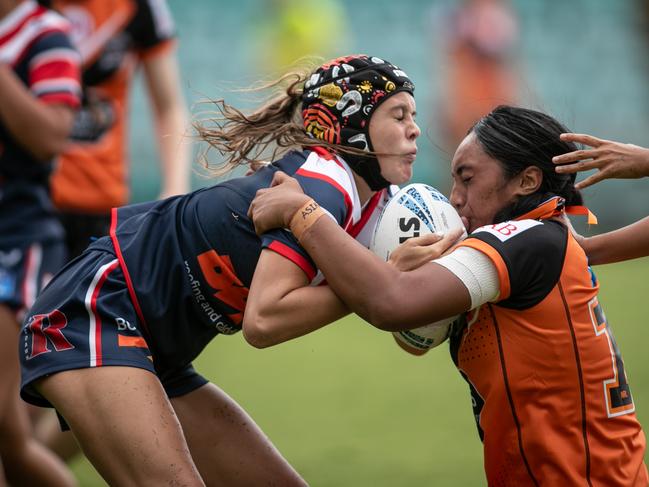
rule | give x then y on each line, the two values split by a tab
26	462
48	431
226	444
125	425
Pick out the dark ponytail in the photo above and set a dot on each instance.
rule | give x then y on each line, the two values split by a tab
519	138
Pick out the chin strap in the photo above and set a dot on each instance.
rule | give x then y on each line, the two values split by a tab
367	168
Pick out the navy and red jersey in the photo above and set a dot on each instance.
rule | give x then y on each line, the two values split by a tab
189	260
34	42
113	37
547	380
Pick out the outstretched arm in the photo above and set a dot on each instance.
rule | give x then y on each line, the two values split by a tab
630	242
611	159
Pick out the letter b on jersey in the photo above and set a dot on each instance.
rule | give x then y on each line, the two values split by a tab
45	330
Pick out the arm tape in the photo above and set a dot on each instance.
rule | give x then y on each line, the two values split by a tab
476	271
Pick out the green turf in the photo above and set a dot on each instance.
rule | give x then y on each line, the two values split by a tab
347	407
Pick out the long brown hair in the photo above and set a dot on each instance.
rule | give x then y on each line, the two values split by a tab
275	126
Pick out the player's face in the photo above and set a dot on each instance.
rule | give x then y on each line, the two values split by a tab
480	189
393	132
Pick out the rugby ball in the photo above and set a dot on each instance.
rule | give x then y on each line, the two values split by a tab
415	210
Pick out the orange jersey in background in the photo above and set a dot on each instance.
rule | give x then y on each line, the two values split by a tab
112	37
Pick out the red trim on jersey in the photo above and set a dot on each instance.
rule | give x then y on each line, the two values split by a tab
21	23
55	69
122	263
355	229
332	182
286	251
31	42
93	308
324	153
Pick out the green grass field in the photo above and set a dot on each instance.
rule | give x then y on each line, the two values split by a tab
348	408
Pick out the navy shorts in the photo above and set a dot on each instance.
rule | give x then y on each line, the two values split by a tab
25	270
85	318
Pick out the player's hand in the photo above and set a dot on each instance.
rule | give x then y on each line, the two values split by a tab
611	159
275	206
417	251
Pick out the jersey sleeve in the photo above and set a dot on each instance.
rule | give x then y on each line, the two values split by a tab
153	27
330	185
528	256
54	70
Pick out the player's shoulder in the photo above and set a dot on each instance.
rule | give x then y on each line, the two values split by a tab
32	28
522	232
523	240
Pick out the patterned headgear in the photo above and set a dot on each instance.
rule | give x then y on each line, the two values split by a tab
339	99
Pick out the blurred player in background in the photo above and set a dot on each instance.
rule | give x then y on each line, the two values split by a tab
39	90
110	342
285	29
548	386
114	38
611	160
479	38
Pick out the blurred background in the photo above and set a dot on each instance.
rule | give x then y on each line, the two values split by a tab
584	62
345	405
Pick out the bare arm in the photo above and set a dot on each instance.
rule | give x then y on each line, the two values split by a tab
380	293
611	159
281	304
170	116
630	242
40	128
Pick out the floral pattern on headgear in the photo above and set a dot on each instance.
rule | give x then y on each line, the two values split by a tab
346	91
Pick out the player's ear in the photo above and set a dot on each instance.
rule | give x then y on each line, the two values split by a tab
529	180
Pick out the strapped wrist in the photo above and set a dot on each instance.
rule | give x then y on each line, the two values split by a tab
306	216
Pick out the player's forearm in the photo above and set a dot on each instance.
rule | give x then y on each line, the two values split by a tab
170	115
298	313
368	290
40	128
175	151
630	242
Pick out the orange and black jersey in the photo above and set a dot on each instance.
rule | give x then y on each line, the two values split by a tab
547	380
113	37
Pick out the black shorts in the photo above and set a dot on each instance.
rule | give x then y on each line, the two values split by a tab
85	318
25	270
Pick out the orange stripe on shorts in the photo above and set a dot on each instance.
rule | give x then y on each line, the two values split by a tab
126	341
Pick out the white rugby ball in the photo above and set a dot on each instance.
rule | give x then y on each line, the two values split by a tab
415	210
